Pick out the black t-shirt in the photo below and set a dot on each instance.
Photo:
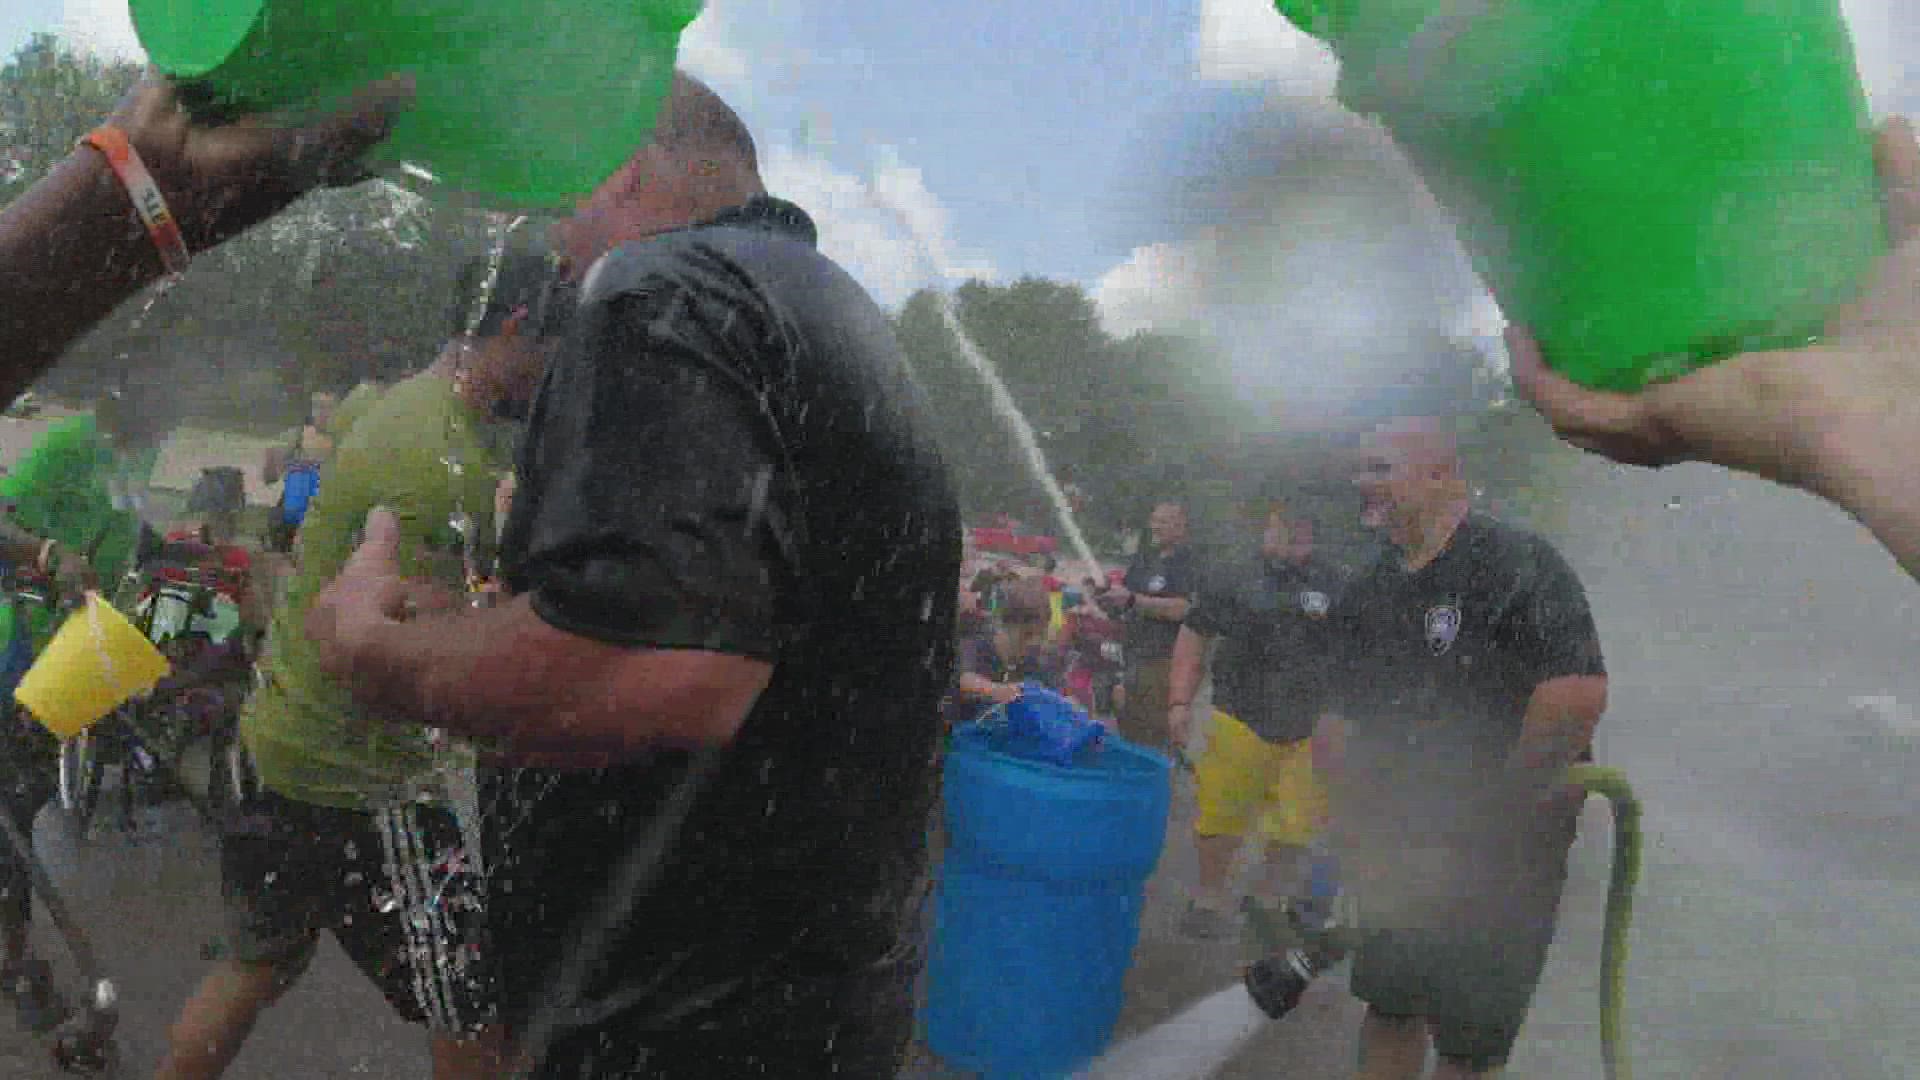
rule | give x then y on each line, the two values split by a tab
1156	574
1270	667
1436	667
729	455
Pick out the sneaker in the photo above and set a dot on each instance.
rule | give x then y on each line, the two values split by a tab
37	1003
1207	924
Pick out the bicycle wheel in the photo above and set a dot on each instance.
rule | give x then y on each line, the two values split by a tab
81	773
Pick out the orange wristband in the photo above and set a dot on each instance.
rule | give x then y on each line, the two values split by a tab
147	200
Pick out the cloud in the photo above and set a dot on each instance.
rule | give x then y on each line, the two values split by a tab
102	26
885	226
709	50
887	230
1242	41
1886	37
1158	287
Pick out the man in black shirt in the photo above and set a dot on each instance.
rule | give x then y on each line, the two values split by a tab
1153	599
1270	620
714	695
1469	677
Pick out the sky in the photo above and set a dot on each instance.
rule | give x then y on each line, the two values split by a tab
1022	137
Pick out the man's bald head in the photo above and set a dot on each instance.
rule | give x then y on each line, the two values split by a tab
699	162
695	124
1422	443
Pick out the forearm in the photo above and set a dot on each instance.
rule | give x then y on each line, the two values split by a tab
1188	666
976	686
71	249
1867	469
535	694
1557	730
1164	608
455	670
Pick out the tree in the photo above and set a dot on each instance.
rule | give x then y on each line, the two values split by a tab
51	95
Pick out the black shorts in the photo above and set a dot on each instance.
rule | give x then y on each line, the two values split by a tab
1474	986
857	1027
392	887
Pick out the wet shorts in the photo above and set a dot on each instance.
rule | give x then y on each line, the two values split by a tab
1474	986
1474	994
1241	776
393	887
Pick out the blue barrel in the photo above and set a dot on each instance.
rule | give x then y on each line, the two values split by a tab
1039	903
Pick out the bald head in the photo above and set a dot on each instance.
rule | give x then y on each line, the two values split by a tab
699	162
695	124
1424	444
1412	481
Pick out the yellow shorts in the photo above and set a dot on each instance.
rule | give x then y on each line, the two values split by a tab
1241	775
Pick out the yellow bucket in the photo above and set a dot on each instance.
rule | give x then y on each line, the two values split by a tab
96	661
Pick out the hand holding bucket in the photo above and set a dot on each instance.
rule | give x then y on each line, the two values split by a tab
96	661
527	103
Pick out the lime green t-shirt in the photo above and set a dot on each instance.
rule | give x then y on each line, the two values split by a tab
351	409
64	488
424	454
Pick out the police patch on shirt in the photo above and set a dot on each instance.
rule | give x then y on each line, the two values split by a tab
1443	625
1157	583
1315	603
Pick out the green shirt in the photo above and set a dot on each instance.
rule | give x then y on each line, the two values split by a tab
310	742
351	409
64	489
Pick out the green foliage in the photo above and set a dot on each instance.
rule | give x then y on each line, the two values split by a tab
51	95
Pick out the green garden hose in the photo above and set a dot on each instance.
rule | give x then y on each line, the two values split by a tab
1611	784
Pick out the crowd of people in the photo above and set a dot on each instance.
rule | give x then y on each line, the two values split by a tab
660	806
1410	715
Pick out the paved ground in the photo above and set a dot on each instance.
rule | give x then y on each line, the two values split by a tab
1776	936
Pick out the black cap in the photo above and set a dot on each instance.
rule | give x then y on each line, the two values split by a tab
528	286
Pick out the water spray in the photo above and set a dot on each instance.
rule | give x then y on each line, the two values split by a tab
1004	404
1301	952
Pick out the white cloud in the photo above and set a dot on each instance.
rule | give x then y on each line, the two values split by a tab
891	233
103	26
1885	35
1158	287
1241	41
708	50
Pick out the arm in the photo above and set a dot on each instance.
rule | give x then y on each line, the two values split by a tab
1558	730
1164	608
71	247
984	689
1553	633
507	676
273	462
70	251
1188	668
652	574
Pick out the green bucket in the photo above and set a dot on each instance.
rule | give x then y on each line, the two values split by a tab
1647	185
522	103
